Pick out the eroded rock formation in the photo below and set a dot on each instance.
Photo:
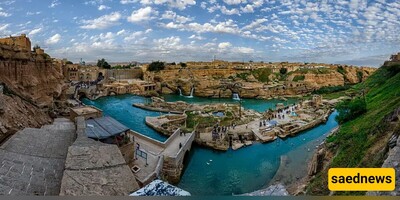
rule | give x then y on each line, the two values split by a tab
209	82
29	82
30	75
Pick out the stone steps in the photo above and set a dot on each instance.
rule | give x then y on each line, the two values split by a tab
32	160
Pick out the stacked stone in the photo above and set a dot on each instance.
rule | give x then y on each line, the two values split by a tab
1	100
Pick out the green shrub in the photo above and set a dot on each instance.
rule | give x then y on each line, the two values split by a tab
262	75
331	89
349	110
156	66
299	78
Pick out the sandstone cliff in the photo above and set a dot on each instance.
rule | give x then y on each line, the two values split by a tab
31	83
258	83
32	76
16	114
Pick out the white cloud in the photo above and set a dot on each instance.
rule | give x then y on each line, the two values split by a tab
143	14
54	4
177	18
35	31
234	2
247	9
33	13
54	39
4	14
3	28
180	4
103	7
102	22
127	1
224	45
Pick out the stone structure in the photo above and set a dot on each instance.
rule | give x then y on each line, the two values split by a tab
20	42
86	111
395	57
1	100
164	159
32	76
118	74
95	168
32	160
316	101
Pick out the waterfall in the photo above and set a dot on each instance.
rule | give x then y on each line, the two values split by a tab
191	93
180	92
235	96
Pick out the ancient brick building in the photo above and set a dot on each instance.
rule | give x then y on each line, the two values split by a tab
22	42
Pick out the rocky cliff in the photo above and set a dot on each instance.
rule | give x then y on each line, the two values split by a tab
368	140
16	114
32	76
28	84
256	83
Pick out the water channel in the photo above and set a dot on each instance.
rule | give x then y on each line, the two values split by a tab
210	172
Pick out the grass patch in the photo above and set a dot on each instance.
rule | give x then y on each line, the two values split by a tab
299	78
359	141
262	74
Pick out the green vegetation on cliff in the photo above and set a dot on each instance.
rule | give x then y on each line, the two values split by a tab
362	140
262	74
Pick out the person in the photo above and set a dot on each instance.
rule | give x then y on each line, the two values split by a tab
180	145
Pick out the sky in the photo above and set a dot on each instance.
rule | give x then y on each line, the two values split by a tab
356	32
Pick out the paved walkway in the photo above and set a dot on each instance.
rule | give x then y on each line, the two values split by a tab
32	160
173	148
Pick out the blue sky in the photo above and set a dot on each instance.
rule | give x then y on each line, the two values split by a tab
355	32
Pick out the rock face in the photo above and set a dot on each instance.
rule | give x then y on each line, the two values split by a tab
29	82
209	82
31	76
16	114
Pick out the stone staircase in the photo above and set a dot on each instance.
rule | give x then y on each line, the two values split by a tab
32	161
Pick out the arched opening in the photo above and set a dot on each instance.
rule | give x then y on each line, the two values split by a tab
100	76
81	95
112	93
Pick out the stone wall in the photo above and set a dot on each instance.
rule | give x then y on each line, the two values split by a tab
95	169
173	165
135	73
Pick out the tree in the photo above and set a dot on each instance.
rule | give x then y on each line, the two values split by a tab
36	47
183	65
156	66
103	64
349	110
360	76
283	70
69	62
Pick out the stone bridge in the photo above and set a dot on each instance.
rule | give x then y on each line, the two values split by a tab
164	159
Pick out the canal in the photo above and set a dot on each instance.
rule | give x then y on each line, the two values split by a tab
210	172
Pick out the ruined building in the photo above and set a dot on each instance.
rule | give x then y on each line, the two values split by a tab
20	42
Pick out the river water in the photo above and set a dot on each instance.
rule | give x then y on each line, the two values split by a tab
209	172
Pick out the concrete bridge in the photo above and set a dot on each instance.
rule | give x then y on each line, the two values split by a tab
162	159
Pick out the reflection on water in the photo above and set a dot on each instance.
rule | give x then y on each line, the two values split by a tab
210	172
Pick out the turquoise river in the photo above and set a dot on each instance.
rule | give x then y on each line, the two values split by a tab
209	172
